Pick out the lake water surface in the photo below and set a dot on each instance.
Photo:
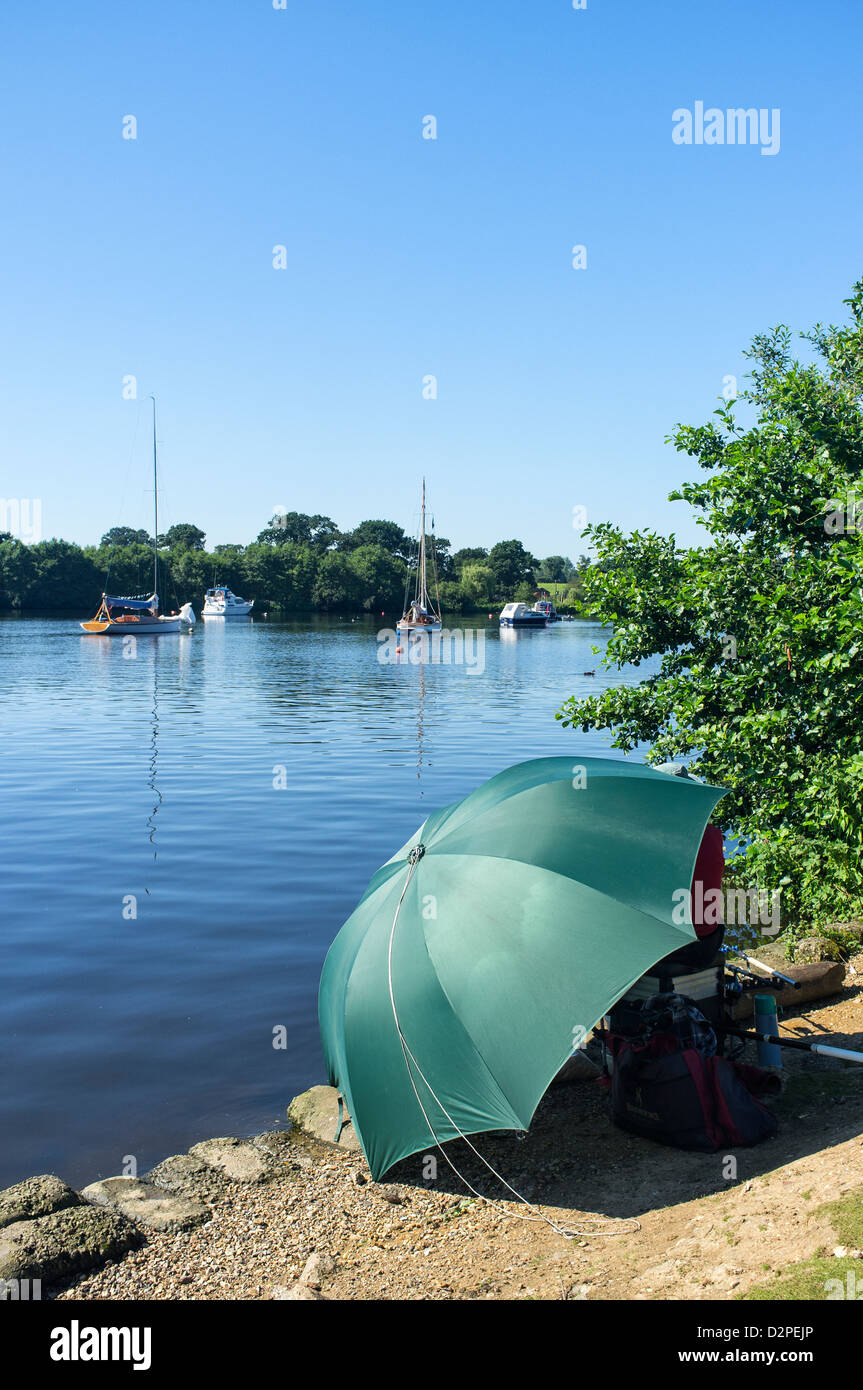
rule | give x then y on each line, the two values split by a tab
156	779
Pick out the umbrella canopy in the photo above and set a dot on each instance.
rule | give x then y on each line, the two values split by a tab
532	907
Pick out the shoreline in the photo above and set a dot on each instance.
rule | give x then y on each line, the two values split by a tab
285	1215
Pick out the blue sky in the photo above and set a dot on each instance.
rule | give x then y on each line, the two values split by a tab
406	257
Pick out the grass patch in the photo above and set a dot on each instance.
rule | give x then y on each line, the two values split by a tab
807	1281
810	1279
807	1088
846	1218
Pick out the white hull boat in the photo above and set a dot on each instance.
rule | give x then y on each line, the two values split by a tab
519	615
219	602
110	621
421	615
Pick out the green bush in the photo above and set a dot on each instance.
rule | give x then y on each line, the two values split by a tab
760	679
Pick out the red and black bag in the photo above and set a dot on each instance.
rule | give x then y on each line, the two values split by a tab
677	1096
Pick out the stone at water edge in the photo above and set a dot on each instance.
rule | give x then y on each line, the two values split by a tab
316	1113
279	1145
149	1206
237	1159
35	1197
71	1241
190	1177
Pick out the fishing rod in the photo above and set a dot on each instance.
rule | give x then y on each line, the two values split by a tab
771	970
821	1049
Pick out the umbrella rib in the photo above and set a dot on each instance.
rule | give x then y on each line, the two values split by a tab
415	855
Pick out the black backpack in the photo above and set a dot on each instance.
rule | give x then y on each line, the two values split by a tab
671	1087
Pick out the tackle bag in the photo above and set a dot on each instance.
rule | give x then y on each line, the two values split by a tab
674	1094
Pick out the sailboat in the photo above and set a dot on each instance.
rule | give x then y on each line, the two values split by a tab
124	617
421	615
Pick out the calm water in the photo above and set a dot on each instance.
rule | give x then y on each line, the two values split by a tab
153	779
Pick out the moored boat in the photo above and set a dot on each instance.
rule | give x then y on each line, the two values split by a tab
126	617
220	602
546	607
519	615
421	615
122	617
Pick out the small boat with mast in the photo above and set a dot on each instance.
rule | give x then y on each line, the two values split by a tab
125	617
422	615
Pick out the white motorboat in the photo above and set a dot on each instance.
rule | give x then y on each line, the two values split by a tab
123	616
545	606
219	602
421	615
519	615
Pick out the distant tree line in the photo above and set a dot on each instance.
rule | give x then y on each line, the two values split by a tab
298	563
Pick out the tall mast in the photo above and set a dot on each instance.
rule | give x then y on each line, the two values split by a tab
155	507
422	594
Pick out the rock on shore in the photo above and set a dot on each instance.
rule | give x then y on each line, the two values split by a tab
35	1197
316	1113
49	1232
149	1206
65	1242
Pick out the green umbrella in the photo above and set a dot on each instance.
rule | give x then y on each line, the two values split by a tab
452	995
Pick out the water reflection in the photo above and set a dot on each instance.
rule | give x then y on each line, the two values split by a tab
154	763
420	716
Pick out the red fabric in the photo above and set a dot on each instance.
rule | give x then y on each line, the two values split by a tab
728	1128
709	867
706	1095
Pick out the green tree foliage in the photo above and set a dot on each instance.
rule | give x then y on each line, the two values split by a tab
556	569
125	535
757	634
187	571
297	528
61	576
380	576
298	563
478	583
440	557
512	566
183	536
453	598
469	556
388	535
337	583
122	569
16	572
